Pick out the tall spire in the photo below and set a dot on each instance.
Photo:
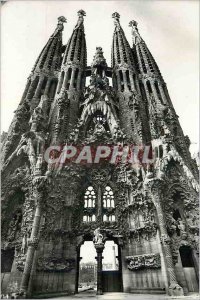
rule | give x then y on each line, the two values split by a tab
121	49
76	46
126	82
71	82
41	82
50	56
162	116
146	61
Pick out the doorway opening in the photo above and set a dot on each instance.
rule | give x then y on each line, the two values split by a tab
189	268
7	257
112	268
87	268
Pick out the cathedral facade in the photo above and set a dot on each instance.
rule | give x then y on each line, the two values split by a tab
50	207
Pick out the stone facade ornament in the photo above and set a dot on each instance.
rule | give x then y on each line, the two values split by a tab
53	264
151	261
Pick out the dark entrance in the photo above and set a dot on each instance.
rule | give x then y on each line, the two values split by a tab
112	268
189	268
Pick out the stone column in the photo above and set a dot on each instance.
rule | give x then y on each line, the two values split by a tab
99	201
77	270
155	188
34	239
99	248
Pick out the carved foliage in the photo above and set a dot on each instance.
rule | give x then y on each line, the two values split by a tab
53	264
149	261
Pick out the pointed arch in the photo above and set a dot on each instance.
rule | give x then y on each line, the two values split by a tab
89	197
108	198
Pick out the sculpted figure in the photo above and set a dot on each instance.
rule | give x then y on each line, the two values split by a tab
98	237
181	225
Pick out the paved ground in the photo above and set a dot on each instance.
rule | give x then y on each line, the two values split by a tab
124	296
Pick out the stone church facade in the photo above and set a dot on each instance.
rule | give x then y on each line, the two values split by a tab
49	209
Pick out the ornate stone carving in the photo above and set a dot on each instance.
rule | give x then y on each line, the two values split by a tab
149	261
53	264
98	237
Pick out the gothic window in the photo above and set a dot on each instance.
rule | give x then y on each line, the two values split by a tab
158	91
75	77
89	218
136	220
160	151
128	80
89	197
108	198
52	89
121	80
149	87
43	87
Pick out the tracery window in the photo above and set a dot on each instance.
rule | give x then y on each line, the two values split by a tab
89	197
108	198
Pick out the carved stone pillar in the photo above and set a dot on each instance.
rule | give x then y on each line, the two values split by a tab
155	188
34	238
99	248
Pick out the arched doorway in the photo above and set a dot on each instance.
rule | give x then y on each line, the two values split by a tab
86	279
112	268
87	276
189	268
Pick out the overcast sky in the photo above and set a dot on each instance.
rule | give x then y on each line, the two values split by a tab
170	29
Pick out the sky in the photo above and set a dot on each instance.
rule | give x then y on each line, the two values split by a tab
170	29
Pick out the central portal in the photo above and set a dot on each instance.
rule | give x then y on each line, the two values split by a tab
87	268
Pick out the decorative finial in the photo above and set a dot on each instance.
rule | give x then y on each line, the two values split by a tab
62	19
116	17
60	26
135	33
99	59
81	13
133	24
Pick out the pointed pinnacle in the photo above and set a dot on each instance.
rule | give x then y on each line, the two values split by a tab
81	13
62	19
116	17
133	24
